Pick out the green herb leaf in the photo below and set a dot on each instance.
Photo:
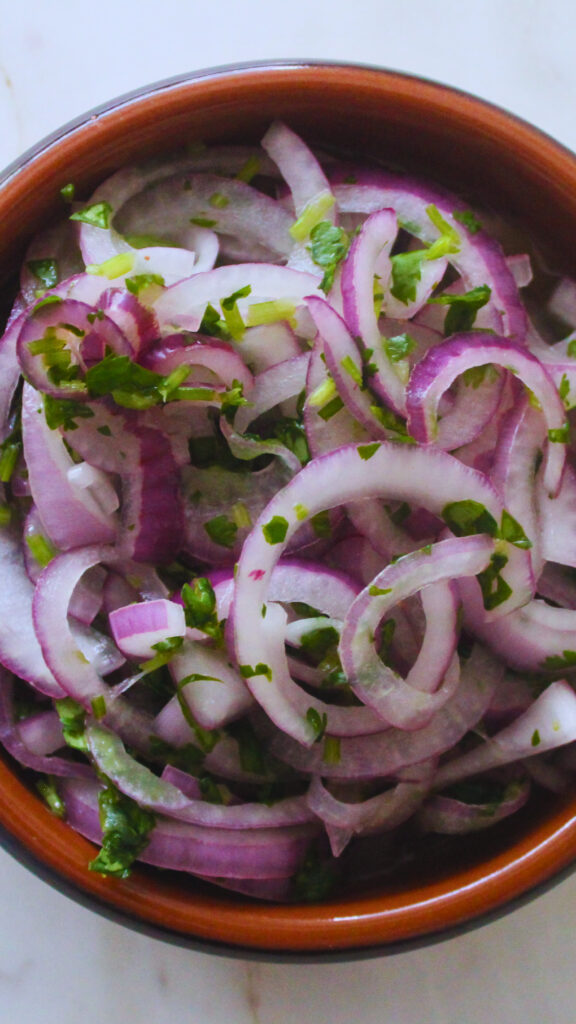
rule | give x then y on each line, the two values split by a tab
406	273
47	787
495	590
329	246
511	531
331	753
399	347
367	451
137	283
222	531
318	723
375	591
63	412
200	608
468	219
45	271
73	719
126	832
321	524
469	517
98	215
68	192
275	530
560	663
317	642
463	308
561	435
249	671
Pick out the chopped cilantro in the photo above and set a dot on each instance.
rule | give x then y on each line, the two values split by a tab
203	222
315	880
561	435
249	671
219	201
63	412
140	281
535	739
98	215
406	272
48	790
68	192
564	388
571	349
495	590
98	705
469	517
331	408
200	608
318	723
353	371
222	531
126	829
560	662
249	170
468	219
275	530
399	347
317	642
73	719
329	245
271	312
375	591
312	214
321	524
463	308
407	266
511	531
367	451
331	753
45	271
232	318
41	549
10	451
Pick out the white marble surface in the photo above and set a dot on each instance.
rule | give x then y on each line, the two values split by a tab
59	963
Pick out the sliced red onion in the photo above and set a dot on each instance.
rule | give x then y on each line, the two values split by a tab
384	754
216	694
479	259
454	817
183	304
137	627
386	470
344	819
344	362
441	366
369	255
85	336
70	514
409	703
550	722
271	387
180	846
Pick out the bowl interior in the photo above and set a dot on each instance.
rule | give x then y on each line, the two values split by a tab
490	159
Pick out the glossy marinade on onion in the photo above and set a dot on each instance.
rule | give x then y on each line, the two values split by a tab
288	521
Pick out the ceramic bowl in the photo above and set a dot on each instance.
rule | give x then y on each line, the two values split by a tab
490	158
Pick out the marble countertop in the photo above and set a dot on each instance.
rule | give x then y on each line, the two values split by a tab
60	963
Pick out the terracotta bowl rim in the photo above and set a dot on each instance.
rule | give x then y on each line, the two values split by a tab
546	861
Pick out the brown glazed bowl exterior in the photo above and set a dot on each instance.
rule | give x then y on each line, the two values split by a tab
489	157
